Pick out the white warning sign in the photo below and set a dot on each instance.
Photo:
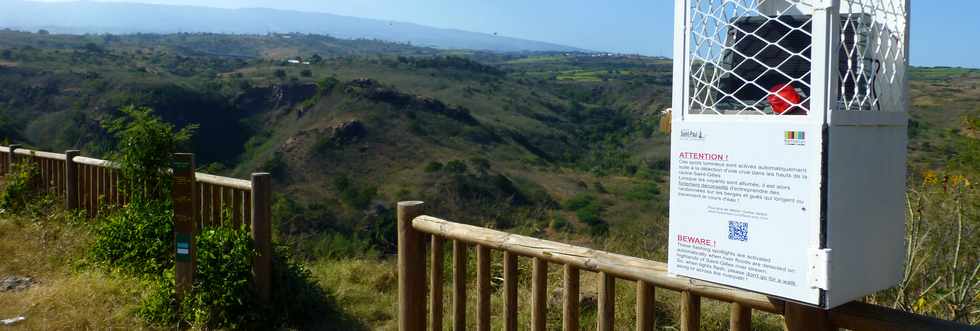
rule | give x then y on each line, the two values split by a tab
745	205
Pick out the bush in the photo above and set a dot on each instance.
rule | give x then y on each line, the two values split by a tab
354	196
159	307
560	224
17	192
222	295
137	239
146	144
588	210
578	201
646	191
589	214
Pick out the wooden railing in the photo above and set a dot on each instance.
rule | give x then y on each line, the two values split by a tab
415	230
93	185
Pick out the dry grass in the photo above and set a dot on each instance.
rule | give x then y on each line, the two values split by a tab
66	296
367	290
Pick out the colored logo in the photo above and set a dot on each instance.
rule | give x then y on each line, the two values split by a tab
795	138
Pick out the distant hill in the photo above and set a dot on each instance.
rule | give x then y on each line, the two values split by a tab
120	18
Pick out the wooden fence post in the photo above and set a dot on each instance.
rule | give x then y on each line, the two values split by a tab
262	234
71	180
13	158
645	306
539	294
459	285
741	317
510	291
436	283
411	269
690	311
798	317
483	288
607	302
570	308
185	229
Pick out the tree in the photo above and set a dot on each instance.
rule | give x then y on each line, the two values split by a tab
146	144
316	59
306	73
6	54
43	32
279	73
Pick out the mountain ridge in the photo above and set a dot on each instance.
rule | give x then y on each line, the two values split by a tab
91	17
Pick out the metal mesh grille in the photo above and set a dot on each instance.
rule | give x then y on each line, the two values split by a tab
872	58
753	56
750	56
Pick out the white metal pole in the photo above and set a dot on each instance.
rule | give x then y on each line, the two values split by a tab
680	88
824	74
906	97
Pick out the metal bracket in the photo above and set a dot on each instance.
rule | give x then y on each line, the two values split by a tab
819	273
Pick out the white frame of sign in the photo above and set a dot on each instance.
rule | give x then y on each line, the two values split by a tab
809	172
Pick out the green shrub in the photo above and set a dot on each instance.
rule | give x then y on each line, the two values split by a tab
589	214
17	192
324	86
145	145
588	210
646	191
137	239
159	306
578	201
222	295
560	224
354	196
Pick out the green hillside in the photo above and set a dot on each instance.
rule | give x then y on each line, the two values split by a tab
561	146
493	139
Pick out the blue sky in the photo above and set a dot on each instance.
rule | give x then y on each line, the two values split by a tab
944	32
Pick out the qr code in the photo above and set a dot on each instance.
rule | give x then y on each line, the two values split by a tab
738	231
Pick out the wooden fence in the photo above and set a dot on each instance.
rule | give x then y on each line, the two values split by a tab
93	185
416	231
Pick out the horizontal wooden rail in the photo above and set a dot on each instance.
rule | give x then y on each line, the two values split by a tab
620	266
234	183
648	275
40	154
94	162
